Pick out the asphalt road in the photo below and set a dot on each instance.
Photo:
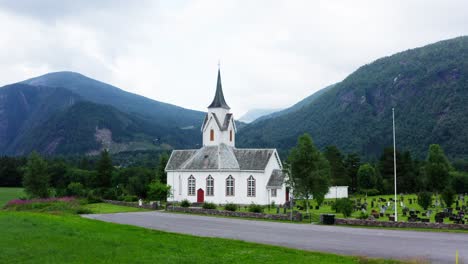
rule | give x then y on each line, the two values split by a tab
436	247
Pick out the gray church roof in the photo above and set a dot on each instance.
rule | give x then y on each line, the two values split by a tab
224	126
276	179
218	101
220	157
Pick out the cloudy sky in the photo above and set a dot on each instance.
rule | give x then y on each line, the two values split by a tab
273	53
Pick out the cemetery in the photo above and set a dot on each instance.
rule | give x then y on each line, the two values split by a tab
368	210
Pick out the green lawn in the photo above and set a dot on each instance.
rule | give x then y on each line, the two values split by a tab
44	238
10	193
105	208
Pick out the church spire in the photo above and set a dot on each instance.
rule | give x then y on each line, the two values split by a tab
218	101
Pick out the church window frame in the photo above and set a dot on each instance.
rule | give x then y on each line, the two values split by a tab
230	186
251	186
209	186
230	135
191	185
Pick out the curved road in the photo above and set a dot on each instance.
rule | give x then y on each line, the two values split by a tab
437	247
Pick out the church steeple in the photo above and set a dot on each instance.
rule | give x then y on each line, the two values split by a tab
218	100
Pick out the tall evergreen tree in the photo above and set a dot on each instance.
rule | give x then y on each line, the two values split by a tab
104	170
437	169
310	171
161	174
36	179
386	168
337	167
352	163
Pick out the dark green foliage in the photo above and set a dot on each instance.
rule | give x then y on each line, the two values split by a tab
310	171
185	203
427	87
75	189
158	191
367	178
425	199
10	171
437	169
344	206
133	180
104	170
208	205
255	208
230	207
448	195
352	164
130	198
459	181
161	174
36	179
339	176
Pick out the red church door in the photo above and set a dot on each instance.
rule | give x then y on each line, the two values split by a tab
200	196
287	194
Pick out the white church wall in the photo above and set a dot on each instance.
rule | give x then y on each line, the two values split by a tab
219	136
337	192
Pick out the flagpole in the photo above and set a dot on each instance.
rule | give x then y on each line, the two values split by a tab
394	164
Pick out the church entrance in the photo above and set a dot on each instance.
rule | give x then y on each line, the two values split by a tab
200	196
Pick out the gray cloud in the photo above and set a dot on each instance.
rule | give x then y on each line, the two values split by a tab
273	53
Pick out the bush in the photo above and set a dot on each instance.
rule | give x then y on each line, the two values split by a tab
93	198
83	211
208	205
363	216
344	206
255	208
425	199
369	192
185	203
158	191
230	207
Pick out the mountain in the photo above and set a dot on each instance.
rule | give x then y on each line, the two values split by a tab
304	102
102	93
254	114
427	86
68	113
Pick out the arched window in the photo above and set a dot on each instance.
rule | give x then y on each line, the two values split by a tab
230	135
209	186
211	135
191	185
230	186
251	186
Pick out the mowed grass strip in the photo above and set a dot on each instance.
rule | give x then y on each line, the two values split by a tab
105	208
45	238
10	193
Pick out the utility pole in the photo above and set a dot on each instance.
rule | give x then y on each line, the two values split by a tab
394	164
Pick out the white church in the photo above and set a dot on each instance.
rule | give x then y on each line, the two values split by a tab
221	173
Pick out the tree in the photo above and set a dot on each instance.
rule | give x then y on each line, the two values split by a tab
337	168
309	170
406	174
10	171
366	177
448	195
36	179
386	169
104	170
352	164
158	191
425	199
437	169
161	174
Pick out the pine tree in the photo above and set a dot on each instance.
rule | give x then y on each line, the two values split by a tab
161	174
338	171
437	169
104	170
352	163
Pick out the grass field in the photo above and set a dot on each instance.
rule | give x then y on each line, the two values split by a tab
9	193
44	238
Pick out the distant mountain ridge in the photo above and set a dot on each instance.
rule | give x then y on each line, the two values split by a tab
254	114
69	113
427	86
